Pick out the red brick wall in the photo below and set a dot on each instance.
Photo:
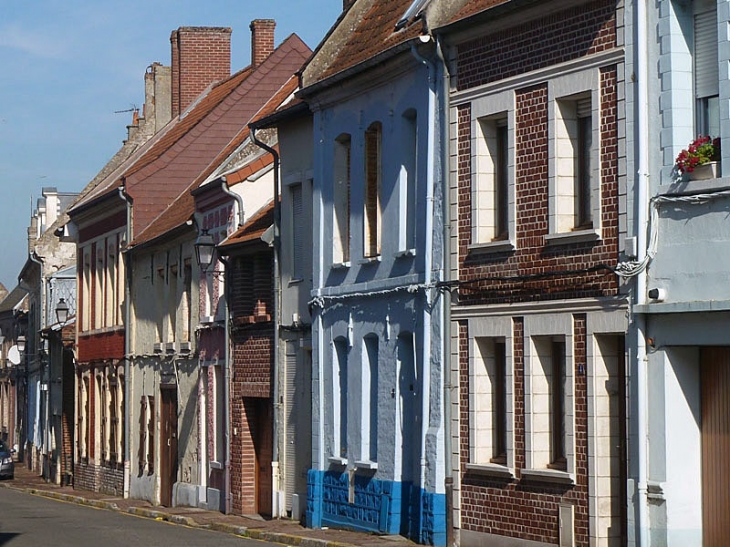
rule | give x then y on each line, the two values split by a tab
522	509
200	56
532	256
561	37
105	345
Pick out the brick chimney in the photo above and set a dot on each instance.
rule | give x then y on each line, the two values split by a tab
262	40
200	56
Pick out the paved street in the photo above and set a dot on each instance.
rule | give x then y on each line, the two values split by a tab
29	520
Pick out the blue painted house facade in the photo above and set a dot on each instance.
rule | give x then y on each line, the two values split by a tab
378	326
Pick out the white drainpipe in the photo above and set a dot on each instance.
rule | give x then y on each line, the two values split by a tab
426	359
642	207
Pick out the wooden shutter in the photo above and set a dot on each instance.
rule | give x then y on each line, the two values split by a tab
705	58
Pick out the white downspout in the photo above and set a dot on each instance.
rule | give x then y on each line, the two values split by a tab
428	259
641	281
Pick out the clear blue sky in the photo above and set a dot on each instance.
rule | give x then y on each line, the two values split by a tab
66	66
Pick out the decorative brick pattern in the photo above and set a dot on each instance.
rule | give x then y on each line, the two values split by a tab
106	345
564	36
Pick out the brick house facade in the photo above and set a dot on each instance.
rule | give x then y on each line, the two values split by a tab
538	316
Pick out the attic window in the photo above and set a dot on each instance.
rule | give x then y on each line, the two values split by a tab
412	13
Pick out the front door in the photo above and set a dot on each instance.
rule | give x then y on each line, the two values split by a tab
715	380
259	416
168	444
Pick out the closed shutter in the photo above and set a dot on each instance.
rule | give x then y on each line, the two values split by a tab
297	232
705	58
298	440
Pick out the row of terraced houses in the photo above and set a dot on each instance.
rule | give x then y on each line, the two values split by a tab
440	277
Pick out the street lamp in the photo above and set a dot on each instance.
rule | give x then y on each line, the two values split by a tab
204	248
20	342
62	311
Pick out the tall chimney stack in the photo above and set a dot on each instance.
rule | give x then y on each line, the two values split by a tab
200	56
262	40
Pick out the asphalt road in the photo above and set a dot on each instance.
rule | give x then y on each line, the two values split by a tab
27	520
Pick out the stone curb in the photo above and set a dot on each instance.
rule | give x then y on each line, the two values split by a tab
243	531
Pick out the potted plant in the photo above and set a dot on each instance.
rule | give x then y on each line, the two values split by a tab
700	159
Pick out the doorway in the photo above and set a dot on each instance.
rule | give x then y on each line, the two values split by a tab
715	431
260	421
168	444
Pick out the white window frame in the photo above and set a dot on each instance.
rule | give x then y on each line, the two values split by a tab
561	161
372	240
480	410
408	184
540	331
342	200
486	111
368	395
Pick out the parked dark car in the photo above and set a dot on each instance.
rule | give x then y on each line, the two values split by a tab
7	467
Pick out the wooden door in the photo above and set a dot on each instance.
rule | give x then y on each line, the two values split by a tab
715	408
259	415
168	444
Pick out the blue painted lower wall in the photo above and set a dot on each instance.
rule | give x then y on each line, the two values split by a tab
386	507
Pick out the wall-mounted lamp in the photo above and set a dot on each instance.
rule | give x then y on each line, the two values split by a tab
204	248
62	311
20	342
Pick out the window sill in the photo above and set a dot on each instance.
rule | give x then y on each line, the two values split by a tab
578	236
215	465
336	460
340	265
367	465
405	253
498	246
296	281
369	260
548	475
491	470
688	187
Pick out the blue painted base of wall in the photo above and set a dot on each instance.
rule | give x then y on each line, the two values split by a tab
385	507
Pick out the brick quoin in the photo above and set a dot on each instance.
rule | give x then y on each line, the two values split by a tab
516	508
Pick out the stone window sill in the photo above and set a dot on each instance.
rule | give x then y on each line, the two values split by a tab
490	470
336	460
578	236
491	247
340	265
367	465
548	475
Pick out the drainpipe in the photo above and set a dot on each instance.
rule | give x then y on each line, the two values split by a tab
234	195
128	384
277	314
426	358
642	205
227	389
43	319
446	295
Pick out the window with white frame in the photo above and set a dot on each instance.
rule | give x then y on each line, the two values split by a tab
369	400
407	181
574	163
706	74
114	448
551	400
574	174
489	402
339	397
372	215
491	187
341	199
99	284
86	288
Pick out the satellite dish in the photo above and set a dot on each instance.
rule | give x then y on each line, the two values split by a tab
14	355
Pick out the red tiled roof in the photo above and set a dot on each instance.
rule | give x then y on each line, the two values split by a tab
157	180
374	34
473	7
182	209
253	229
